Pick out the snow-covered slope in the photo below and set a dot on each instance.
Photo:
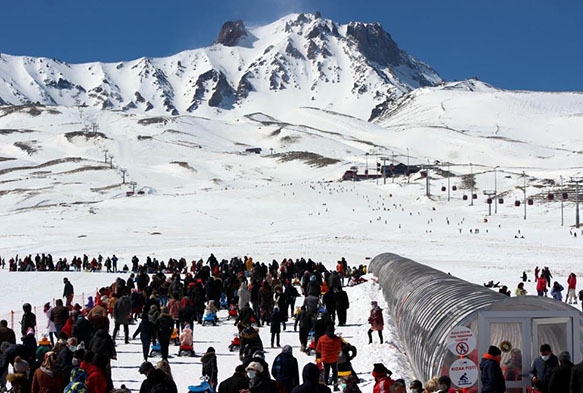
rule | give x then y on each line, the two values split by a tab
301	58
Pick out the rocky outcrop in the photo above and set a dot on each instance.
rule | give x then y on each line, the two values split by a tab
375	43
300	53
221	93
231	33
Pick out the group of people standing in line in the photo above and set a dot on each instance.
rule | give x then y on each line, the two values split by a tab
549	373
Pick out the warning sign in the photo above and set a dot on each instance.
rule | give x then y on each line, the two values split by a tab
461	341
463	373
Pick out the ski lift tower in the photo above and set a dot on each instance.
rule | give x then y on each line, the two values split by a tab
490	194
577	180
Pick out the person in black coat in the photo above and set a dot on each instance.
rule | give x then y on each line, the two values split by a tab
275	325
490	372
145	337
311	377
28	319
155	377
209	366
342	304
250	342
102	343
82	330
164	327
330	303
285	369
238	381
561	376
576	385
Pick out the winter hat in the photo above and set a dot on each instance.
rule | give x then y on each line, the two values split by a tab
20	365
44	341
380	368
146	366
30	330
286	349
494	351
255	366
259	354
210	349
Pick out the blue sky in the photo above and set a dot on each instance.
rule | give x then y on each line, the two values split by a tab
512	44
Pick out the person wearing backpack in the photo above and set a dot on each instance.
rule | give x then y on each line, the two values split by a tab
305	320
122	309
164	328
285	369
77	383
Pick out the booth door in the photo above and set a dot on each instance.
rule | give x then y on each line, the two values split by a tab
520	340
557	332
513	338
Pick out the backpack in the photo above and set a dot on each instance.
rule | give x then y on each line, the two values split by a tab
75	387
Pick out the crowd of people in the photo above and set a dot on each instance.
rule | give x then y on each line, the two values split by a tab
166	300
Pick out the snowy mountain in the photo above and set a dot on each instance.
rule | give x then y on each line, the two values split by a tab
58	159
313	61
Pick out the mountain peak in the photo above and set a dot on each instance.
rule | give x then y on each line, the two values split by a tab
231	33
375	43
304	58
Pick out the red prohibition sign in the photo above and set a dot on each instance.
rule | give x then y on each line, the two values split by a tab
461	348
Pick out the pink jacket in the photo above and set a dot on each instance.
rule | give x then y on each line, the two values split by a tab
186	337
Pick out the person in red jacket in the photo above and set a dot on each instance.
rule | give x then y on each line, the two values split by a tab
382	378
376	321
541	286
328	348
571	285
94	364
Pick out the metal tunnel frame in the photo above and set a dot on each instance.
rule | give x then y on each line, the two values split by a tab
426	304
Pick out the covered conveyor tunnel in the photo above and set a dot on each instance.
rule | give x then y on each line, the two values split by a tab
446	324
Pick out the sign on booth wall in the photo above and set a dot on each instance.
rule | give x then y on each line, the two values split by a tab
463	373
461	341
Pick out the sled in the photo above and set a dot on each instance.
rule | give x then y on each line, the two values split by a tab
155	350
235	343
186	350
209	319
203	387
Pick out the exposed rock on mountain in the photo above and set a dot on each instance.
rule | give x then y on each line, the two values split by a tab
313	61
231	33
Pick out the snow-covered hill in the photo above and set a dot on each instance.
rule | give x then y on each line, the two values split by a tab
301	58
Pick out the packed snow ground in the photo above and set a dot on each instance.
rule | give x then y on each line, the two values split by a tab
202	196
321	221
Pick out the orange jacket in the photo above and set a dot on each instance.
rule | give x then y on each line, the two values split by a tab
329	345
